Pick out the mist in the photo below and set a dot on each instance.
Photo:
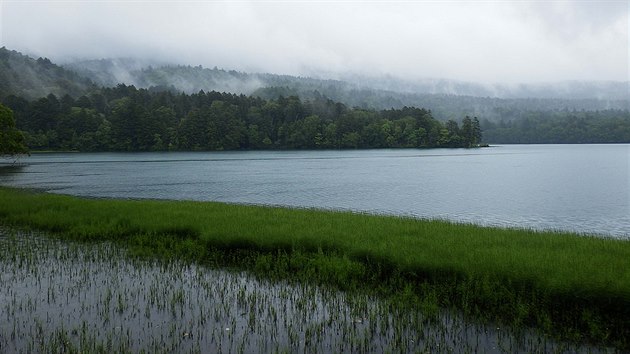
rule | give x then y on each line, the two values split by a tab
487	42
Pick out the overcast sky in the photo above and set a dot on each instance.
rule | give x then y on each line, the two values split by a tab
489	41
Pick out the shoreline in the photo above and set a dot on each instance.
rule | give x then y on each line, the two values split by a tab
570	285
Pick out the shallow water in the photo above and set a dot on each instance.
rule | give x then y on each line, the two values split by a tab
581	188
56	295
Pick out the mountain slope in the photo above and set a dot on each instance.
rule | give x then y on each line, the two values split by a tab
31	78
440	96
130	118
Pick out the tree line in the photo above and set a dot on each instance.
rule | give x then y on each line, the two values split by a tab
561	127
124	118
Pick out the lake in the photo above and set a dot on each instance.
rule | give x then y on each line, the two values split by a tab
582	188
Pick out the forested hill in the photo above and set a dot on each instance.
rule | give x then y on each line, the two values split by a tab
31	78
59	109
362	92
444	106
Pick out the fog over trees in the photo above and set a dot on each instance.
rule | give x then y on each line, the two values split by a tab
195	108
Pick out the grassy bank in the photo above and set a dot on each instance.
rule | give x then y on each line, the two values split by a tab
573	286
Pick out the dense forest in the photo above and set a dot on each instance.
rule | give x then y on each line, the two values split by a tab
561	127
125	118
61	109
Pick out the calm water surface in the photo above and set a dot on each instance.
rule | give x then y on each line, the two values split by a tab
583	188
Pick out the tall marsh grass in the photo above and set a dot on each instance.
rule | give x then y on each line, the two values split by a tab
62	296
574	286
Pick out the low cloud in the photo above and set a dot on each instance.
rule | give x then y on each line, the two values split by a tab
469	40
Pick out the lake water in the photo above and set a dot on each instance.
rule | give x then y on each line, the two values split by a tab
583	188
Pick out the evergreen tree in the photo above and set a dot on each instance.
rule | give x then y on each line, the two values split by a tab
11	139
467	134
476	132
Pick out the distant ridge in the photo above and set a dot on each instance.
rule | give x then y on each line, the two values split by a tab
133	107
447	99
190	79
30	78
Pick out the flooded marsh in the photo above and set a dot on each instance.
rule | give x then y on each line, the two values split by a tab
58	296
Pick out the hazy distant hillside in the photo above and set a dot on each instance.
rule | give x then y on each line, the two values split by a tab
191	79
445	106
31	78
446	98
603	90
144	73
281	112
110	72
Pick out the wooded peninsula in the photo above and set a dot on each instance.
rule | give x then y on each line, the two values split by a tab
125	118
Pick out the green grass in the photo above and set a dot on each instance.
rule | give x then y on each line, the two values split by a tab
573	286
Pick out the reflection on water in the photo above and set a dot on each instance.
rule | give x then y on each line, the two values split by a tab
583	188
6	170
